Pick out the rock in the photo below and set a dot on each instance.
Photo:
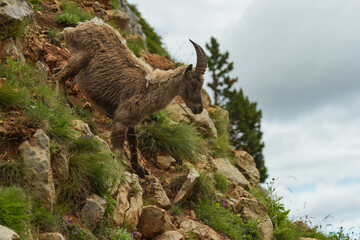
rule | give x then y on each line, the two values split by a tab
36	155
164	162
302	226
82	129
202	231
51	62
93	211
14	11
128	196
9	48
170	235
119	17
187	187
51	236
151	221
253	209
246	164
60	166
8	234
180	112
177	113
224	166
133	26
205	98
155	191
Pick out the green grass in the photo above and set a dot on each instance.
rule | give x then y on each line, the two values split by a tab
107	231
176	209
14	208
223	220
136	45
91	171
204	188
182	141
11	173
221	182
26	88
72	14
16	29
221	146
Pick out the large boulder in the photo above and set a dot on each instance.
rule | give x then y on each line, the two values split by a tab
14	11
187	187
224	166
156	192
93	211
246	164
253	209
201	231
151	222
36	155
128	196
8	234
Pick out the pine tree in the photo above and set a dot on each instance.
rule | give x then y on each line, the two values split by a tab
219	66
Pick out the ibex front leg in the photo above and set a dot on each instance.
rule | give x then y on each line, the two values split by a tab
135	164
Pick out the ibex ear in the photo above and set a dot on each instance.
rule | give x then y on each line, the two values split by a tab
188	69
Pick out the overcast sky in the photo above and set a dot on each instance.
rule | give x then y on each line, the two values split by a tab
299	60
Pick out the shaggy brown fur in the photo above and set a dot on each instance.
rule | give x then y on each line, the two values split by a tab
123	87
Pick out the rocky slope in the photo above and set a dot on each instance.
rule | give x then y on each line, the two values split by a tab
164	205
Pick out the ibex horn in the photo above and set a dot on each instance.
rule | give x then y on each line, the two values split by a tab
201	63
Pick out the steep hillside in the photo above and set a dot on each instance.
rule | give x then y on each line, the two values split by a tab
58	176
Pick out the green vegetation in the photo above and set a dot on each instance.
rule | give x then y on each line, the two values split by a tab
158	134
43	108
107	231
14	208
20	213
72	14
136	45
204	188
153	40
11	173
16	29
91	171
221	182
223	220
176	209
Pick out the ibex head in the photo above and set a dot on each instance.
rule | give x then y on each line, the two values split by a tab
193	81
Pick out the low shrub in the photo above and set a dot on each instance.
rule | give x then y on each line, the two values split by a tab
221	182
204	188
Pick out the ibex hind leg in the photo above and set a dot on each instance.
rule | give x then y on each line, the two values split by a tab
135	164
118	134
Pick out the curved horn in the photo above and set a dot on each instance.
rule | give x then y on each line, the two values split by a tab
201	63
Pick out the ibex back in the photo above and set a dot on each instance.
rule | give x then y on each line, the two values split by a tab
124	87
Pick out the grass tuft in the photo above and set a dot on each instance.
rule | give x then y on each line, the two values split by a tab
221	182
14	208
223	220
204	188
182	141
72	14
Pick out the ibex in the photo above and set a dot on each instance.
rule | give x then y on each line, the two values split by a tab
124	87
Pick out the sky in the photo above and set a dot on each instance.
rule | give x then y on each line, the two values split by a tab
298	59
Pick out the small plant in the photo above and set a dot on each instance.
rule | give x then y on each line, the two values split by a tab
176	209
221	182
204	188
15	29
107	231
136	45
11	174
72	14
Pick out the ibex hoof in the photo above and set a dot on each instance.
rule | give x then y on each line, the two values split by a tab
142	172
